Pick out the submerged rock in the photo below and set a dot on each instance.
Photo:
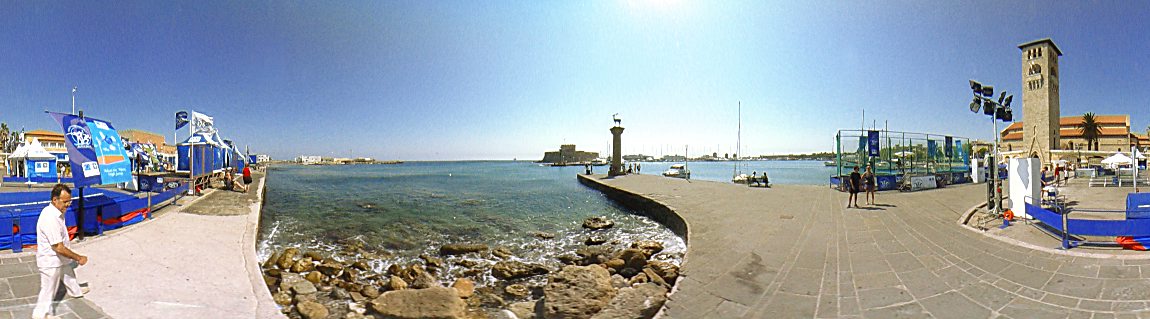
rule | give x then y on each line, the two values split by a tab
432	262
577	292
590	255
501	253
594	240
542	235
507	270
459	249
435	302
597	223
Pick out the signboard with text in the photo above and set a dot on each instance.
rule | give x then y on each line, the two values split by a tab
95	151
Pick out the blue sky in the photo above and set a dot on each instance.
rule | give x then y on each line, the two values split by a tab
436	80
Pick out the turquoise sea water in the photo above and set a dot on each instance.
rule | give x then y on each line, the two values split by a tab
402	211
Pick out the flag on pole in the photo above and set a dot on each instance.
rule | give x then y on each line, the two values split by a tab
181	119
95	151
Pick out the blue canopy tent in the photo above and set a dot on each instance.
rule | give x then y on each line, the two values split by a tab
206	148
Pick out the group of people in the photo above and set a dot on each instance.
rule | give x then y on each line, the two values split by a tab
634	168
861	182
1061	174
233	182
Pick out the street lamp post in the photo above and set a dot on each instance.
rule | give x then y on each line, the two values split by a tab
983	99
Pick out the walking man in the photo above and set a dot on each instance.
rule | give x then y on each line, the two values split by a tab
54	255
853	187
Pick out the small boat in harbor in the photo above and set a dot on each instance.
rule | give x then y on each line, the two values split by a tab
600	162
678	171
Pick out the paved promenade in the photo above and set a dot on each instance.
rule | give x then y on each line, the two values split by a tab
195	259
797	252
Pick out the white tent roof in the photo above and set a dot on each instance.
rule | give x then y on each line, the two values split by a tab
1138	154
1118	158
32	150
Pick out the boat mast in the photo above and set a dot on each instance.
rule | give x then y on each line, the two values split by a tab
738	142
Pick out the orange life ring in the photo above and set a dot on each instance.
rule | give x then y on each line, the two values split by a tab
1008	215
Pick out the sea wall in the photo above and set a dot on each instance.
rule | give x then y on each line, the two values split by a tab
639	204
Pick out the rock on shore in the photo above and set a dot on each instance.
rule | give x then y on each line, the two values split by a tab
577	292
604	280
435	302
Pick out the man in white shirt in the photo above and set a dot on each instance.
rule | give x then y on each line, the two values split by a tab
54	255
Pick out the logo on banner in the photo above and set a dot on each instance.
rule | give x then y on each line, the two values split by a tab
90	169
79	136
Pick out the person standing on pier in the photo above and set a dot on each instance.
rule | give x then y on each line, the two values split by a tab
869	182
54	255
853	187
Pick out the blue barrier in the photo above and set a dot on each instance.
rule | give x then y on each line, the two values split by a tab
1087	227
103	210
1137	205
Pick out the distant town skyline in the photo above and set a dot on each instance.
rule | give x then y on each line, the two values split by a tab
459	80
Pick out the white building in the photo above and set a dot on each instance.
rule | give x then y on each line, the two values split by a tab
309	159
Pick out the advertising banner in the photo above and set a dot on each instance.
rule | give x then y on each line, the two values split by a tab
931	148
946	148
95	150
872	143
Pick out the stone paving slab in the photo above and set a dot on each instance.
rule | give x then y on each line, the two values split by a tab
195	259
797	252
20	284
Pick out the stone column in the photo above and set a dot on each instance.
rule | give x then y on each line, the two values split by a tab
616	151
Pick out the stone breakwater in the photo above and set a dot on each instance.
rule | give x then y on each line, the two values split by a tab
594	281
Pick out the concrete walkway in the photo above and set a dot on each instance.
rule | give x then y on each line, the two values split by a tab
796	251
191	261
195	259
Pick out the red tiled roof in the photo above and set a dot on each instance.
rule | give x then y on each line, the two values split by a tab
1100	119
1106	131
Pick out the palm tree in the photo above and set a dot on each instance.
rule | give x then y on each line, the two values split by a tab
4	132
1090	130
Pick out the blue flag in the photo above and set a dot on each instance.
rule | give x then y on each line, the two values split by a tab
95	151
872	142
181	119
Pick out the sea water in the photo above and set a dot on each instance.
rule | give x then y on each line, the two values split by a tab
779	172
401	211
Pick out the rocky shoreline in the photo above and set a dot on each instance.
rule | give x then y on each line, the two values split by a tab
595	281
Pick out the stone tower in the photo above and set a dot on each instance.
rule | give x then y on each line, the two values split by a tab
1040	106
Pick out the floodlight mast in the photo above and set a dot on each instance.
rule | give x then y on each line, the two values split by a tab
983	96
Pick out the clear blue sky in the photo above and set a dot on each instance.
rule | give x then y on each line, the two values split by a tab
431	80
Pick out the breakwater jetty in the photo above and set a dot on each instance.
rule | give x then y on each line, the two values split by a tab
797	252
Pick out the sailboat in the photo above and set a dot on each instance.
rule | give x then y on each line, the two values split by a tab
738	177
